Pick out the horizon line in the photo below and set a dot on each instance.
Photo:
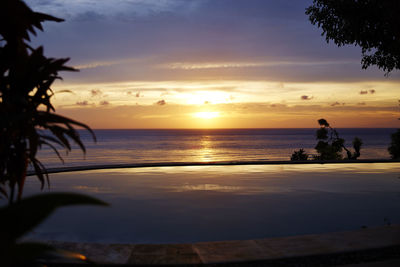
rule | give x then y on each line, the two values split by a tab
264	128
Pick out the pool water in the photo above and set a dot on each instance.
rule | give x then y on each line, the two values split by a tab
210	203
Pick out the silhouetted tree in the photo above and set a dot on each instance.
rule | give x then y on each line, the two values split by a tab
330	145
299	155
371	24
27	117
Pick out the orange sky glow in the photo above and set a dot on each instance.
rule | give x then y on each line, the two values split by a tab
209	64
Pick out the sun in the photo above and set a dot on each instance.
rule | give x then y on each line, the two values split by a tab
206	114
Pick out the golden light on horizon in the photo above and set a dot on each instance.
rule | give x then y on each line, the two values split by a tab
206	114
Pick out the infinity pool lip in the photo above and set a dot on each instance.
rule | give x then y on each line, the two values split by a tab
363	245
206	163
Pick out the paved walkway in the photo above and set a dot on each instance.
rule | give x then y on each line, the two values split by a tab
363	243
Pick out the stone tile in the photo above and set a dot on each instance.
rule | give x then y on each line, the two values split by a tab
362	239
229	251
237	251
99	253
387	263
295	246
164	254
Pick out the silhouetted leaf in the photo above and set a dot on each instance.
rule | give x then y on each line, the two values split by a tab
322	134
26	214
323	123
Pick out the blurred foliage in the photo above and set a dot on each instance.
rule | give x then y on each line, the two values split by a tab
20	218
371	24
330	145
299	155
27	117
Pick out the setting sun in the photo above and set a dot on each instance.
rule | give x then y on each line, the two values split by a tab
206	115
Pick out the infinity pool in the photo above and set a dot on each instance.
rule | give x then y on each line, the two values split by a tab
209	203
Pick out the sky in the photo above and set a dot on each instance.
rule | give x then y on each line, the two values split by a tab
209	64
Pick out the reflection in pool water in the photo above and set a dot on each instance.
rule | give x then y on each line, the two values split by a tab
208	203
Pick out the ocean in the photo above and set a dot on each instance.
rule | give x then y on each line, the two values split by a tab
204	145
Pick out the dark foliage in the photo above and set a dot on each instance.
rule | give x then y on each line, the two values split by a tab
394	148
330	145
20	218
299	155
27	117
371	24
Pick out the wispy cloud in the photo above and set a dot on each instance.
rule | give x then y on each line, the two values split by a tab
88	10
161	102
95	92
364	92
82	103
337	104
306	97
217	65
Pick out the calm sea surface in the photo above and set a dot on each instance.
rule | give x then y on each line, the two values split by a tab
140	146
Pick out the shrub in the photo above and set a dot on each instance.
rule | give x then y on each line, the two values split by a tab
299	155
330	145
394	148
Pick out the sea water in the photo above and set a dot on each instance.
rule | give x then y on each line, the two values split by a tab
204	145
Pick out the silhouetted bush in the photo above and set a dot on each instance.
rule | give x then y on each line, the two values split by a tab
394	148
330	146
299	155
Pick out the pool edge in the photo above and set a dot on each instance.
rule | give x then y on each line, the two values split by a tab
277	249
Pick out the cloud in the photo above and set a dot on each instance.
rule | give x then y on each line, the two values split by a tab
104	103
361	104
95	92
85	10
82	103
364	92
306	97
224	65
277	105
337	104
161	102
137	94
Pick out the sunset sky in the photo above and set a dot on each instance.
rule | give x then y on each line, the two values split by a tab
209	64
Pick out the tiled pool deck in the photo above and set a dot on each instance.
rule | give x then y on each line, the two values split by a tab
280	251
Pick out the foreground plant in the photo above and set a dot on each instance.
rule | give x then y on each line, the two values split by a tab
27	118
20	218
